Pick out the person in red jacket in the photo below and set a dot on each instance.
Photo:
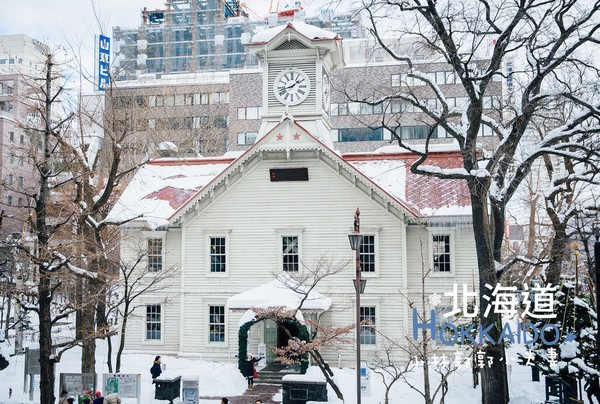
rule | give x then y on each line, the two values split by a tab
99	399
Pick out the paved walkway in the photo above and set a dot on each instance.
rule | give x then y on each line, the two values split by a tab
263	392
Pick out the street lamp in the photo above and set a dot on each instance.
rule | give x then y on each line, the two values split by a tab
359	286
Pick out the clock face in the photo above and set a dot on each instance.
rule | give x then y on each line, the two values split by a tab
291	86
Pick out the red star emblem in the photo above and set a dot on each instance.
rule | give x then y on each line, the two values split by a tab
296	136
280	137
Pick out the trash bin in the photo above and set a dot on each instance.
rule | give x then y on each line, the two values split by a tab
167	389
298	390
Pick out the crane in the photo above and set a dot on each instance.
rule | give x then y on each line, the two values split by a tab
288	10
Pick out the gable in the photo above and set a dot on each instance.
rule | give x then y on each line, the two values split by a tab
165	192
289	142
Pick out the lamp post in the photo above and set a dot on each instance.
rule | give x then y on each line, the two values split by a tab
359	286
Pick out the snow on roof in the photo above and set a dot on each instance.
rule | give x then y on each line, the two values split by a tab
159	188
178	79
309	31
388	174
278	293
430	196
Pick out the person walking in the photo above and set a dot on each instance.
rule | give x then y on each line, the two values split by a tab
250	370
86	398
112	399
592	388
99	399
63	397
156	368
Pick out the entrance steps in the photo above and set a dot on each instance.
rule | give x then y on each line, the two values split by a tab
274	372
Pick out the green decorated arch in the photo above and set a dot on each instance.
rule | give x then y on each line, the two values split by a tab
303	335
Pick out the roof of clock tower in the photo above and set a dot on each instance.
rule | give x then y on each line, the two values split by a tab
311	36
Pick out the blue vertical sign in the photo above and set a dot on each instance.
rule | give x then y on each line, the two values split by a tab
103	62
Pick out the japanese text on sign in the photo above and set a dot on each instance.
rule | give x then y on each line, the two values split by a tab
103	62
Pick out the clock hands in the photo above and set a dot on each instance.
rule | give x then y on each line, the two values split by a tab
291	87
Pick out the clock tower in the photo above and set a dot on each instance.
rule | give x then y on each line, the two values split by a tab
297	60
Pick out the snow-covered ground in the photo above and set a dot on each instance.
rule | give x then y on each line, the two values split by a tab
224	380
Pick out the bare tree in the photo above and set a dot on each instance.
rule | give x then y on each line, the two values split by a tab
387	365
304	283
541	42
64	248
44	257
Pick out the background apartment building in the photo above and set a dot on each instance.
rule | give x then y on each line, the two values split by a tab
176	83
211	113
20	57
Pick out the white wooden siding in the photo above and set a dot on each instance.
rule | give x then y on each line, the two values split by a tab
253	212
254	209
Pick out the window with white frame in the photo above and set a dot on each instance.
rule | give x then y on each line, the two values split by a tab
441	252
246	139
200	99
368	334
218	254
218	98
155	254
249	112
153	322
367	254
290	253
216	324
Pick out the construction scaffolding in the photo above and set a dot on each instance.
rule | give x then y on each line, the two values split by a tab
187	36
190	36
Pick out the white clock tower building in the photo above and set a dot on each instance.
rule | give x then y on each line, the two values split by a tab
297	61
